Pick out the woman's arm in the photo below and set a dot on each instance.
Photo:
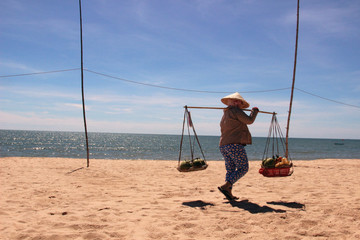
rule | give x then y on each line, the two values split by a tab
243	117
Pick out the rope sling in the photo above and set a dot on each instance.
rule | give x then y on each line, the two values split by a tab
192	164
274	160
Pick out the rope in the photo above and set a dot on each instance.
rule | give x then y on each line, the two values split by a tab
328	99
182	137
275	139
188	130
36	73
151	85
179	89
267	144
198	141
188	120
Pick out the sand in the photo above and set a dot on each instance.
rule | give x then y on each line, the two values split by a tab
51	198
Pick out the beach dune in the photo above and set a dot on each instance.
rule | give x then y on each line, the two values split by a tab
59	198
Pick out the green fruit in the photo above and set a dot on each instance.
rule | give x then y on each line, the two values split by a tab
265	160
185	165
198	163
269	163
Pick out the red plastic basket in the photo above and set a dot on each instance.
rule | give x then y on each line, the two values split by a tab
275	172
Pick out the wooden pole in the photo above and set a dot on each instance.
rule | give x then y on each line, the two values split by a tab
224	108
82	88
293	81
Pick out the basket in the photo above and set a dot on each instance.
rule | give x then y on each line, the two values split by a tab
192	165
276	172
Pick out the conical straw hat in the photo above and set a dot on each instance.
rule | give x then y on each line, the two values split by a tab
235	96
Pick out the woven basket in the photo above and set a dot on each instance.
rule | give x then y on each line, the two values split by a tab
276	172
189	166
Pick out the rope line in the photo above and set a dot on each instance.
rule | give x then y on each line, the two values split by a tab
149	84
328	99
37	73
178	89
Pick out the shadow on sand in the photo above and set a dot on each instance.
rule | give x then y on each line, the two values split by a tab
253	207
289	204
249	206
198	203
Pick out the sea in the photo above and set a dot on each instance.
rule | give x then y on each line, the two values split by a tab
19	143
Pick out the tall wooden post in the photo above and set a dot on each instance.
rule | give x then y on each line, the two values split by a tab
293	81
82	88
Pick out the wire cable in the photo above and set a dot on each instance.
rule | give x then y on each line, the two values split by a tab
178	89
328	99
37	73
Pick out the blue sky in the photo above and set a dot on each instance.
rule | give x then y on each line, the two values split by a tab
205	45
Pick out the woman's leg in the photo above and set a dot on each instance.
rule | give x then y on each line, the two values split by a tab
236	162
230	165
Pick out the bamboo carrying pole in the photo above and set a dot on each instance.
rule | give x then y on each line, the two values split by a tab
82	88
224	108
293	81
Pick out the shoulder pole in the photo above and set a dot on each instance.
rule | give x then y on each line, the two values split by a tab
225	108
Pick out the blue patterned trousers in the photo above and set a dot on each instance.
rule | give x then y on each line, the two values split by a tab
236	161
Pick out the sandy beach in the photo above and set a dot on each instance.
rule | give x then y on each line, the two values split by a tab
59	198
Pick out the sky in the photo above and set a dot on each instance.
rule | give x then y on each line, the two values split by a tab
145	60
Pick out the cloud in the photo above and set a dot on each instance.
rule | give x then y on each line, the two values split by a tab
37	121
17	66
76	105
40	92
119	110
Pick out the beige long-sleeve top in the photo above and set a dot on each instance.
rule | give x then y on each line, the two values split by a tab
234	128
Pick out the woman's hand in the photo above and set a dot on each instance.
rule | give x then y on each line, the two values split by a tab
255	109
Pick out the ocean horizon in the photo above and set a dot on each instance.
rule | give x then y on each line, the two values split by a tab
33	143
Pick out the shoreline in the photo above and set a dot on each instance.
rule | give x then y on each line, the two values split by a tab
59	198
159	147
167	160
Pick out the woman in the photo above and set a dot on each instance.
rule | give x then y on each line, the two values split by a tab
235	136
